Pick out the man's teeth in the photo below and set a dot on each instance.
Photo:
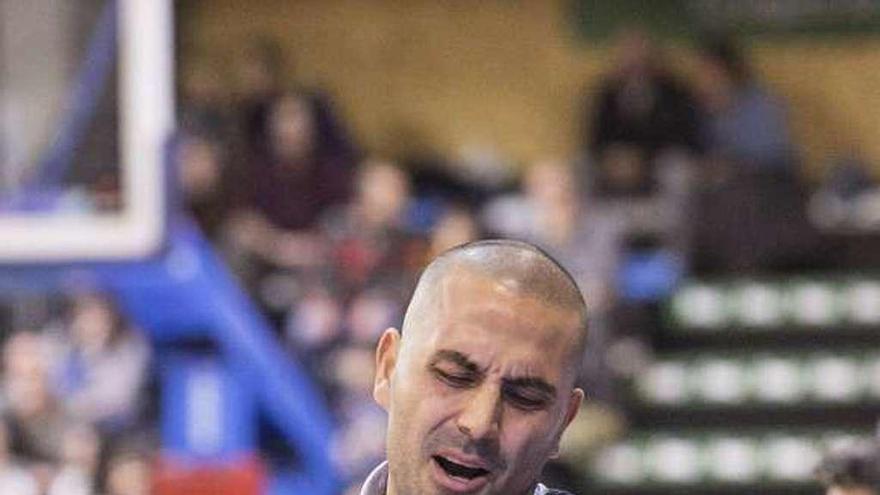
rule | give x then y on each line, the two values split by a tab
459	471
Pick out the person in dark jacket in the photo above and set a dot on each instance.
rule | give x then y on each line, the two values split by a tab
640	112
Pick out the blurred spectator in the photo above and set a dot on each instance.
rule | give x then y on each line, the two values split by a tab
204	182
748	127
35	419
854	470
14	479
587	238
369	270
288	187
261	83
371	235
751	170
103	366
642	111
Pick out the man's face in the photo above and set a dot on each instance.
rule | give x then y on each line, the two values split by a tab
480	391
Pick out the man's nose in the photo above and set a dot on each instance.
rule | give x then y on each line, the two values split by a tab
480	417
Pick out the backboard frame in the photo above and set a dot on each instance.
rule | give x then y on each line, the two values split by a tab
146	117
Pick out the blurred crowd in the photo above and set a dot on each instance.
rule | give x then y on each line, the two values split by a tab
73	392
329	239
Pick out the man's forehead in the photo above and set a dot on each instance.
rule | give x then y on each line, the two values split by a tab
484	318
463	290
461	282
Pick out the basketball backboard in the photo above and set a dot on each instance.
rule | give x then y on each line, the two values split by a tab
86	112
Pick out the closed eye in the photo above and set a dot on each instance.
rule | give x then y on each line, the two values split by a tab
525	402
456	380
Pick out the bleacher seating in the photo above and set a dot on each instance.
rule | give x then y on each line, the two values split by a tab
753	380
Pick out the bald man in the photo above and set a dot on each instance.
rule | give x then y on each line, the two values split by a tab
480	384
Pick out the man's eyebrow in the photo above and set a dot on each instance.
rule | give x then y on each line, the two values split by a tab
456	358
537	384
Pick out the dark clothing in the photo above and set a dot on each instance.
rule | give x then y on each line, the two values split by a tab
645	117
293	196
659	114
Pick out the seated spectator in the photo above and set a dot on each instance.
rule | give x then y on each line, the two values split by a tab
747	128
751	171
369	268
550	212
370	235
103	367
35	419
287	188
641	112
260	80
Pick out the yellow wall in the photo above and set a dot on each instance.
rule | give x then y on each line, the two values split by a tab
505	74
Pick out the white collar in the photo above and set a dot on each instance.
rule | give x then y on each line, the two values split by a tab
377	481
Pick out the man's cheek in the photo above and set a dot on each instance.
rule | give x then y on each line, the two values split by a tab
522	440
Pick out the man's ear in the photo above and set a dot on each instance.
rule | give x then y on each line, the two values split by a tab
386	359
574	406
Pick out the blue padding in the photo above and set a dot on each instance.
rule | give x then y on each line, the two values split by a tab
208	412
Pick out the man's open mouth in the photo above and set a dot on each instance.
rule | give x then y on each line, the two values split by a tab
459	471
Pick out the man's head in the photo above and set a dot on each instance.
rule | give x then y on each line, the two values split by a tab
854	470
480	385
